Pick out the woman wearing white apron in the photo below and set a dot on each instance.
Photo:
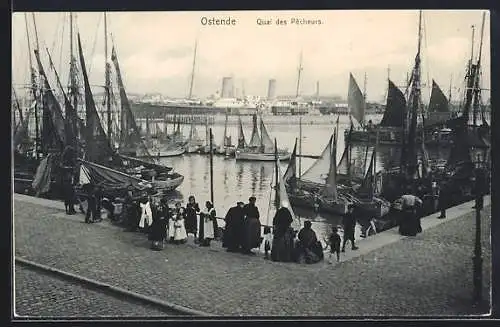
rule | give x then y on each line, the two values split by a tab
207	232
180	235
171	223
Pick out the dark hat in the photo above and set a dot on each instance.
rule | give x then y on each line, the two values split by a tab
239	203
252	199
307	223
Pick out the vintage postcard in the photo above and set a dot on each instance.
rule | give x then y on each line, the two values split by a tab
327	163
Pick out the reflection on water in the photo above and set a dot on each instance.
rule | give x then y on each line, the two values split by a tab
237	181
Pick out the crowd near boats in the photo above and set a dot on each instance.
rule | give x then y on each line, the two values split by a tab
72	156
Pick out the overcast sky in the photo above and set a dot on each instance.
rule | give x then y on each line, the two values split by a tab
155	49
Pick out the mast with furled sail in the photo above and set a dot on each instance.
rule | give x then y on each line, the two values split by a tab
409	153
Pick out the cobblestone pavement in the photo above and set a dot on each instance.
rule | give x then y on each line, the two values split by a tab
42	295
426	275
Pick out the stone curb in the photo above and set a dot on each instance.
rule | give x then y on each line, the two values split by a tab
166	306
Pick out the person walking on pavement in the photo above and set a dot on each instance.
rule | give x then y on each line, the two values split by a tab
92	214
443	200
349	223
334	243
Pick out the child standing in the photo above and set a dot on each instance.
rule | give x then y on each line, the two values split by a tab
180	235
334	242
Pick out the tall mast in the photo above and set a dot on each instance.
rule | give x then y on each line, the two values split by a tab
107	85
34	84
415	104
477	89
364	99
192	70
298	78
364	88
72	69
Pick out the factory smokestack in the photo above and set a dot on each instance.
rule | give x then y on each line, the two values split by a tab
271	90
227	87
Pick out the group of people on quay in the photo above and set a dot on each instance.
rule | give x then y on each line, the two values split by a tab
242	232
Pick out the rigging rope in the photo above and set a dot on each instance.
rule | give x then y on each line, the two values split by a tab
55	37
93	46
62	45
426	53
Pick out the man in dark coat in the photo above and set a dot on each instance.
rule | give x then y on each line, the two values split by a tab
349	222
233	232
443	200
92	204
252	237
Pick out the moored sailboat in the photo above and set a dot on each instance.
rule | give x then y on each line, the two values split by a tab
194	142
317	187
100	152
226	147
261	147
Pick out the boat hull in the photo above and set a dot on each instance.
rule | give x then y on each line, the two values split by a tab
338	207
393	136
192	148
166	153
376	208
169	184
226	150
255	156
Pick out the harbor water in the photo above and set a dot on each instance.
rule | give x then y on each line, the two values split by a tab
238	180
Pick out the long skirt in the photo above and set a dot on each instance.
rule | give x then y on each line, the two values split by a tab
157	245
208	229
409	224
191	224
171	229
180	231
282	247
252	237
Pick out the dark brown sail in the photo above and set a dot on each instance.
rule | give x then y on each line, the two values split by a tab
129	133
394	115
98	147
53	130
438	101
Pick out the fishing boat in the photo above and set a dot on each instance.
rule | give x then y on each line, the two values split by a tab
158	147
260	147
317	187
206	148
226	148
99	151
194	142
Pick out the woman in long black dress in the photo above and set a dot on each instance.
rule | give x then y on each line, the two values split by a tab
282	247
192	210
